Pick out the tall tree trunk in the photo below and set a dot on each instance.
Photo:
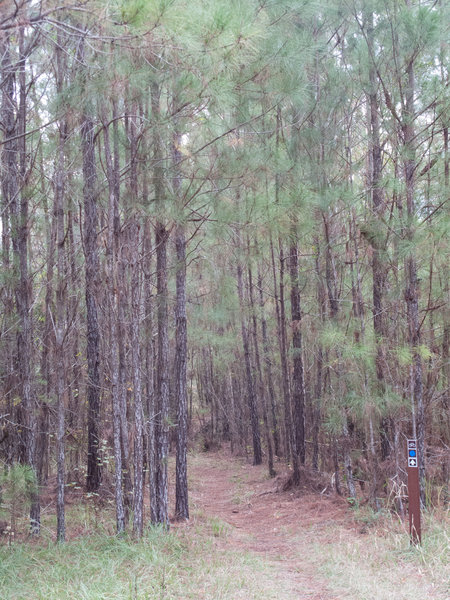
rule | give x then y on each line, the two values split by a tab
19	212
446	338
288	421
316	410
149	371
298	386
46	373
93	477
135	342
251	396
113	300
121	241
8	188
261	391
149	349
370	408
181	502
268	369
161	240
181	492
60	326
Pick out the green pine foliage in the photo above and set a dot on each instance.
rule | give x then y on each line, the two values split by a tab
18	486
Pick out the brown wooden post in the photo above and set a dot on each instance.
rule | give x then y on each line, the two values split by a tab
414	493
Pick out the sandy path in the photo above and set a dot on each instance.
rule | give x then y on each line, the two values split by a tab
281	527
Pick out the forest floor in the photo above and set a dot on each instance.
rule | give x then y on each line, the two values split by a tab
247	539
317	547
259	517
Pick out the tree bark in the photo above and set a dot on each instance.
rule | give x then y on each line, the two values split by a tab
135	342
251	396
60	326
8	188
298	386
16	191
268	369
261	391
181	490
113	299
321	301
161	240
288	419
93	477
149	372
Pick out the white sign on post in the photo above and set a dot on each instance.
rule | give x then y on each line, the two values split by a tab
412	453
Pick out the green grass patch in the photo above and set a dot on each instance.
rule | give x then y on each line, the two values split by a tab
191	562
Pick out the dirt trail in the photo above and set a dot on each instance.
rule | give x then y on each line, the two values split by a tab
282	527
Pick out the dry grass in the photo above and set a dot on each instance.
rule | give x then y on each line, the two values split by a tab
244	541
381	564
190	562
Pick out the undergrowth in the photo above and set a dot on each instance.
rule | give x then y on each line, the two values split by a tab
381	563
186	563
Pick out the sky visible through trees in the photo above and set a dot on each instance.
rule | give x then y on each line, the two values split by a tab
224	222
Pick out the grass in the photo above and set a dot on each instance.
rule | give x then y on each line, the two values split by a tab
382	564
206	558
242	493
187	563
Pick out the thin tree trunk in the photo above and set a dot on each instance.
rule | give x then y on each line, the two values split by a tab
60	326
149	371
93	477
46	373
261	391
121	243
446	338
161	240
9	189
251	396
268	369
181	491
10	442
288	421
163	373
321	300
18	197
149	349
111	266
135	344
298	386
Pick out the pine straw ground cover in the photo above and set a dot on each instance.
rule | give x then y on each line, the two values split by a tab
324	548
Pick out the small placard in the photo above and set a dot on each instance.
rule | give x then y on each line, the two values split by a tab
412	453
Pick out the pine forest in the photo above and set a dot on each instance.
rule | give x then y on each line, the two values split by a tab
224	237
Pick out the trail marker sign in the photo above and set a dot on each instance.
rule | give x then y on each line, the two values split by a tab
414	492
